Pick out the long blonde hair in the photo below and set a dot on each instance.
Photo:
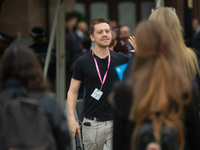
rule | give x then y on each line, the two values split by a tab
159	84
185	56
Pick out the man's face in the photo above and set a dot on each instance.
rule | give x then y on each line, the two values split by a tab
195	23
71	23
124	32
82	26
101	35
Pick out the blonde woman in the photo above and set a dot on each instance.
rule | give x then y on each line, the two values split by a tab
157	91
186	57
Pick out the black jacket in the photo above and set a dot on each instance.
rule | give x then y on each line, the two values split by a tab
55	114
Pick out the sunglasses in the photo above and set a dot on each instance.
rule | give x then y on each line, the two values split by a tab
171	8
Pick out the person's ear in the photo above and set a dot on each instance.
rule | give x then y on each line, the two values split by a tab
92	37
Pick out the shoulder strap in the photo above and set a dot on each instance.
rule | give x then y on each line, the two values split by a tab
12	93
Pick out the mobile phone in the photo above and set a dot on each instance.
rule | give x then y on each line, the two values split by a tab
87	124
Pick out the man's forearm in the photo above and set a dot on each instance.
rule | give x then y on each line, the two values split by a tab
71	104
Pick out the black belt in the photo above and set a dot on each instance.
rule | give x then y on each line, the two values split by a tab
98	119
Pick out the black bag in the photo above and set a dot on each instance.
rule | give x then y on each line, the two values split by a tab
169	139
25	126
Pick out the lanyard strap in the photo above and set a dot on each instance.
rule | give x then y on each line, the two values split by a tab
98	71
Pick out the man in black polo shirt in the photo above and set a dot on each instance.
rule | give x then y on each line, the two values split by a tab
96	69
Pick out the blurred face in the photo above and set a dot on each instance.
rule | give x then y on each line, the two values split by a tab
124	32
82	26
101	35
72	22
195	23
113	24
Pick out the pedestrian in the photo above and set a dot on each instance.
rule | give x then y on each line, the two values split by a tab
21	76
196	36
122	41
72	47
81	31
114	25
39	43
70	22
185	55
113	41
96	69
5	41
40	47
157	91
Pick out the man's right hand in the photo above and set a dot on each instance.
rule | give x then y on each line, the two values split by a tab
73	127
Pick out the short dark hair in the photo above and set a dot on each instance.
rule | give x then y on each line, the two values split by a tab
69	16
96	21
86	42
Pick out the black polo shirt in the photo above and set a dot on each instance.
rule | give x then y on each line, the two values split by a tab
86	72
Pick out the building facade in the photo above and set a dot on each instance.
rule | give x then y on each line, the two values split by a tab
19	16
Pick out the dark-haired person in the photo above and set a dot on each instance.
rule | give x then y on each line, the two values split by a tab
96	69
38	36
21	75
122	41
40	47
5	41
156	91
196	36
72	47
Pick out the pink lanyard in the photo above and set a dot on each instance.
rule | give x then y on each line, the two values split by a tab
96	64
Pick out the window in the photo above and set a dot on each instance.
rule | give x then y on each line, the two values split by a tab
99	9
127	14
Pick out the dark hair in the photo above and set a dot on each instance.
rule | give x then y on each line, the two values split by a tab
69	16
96	21
20	63
86	42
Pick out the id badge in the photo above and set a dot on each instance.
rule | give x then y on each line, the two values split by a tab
97	94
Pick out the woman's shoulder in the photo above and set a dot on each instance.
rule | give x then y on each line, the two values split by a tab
49	95
47	99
